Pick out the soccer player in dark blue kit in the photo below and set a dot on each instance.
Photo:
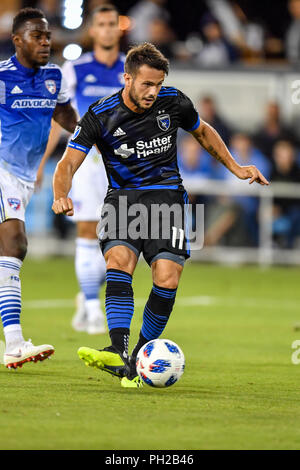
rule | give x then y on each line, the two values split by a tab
141	164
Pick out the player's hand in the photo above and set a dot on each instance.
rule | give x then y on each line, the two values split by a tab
246	172
63	205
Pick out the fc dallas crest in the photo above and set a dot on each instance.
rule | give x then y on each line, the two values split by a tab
51	86
14	203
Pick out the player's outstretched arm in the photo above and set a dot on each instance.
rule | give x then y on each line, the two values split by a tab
211	141
62	180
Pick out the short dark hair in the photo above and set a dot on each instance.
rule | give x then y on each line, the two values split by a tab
24	15
104	8
145	54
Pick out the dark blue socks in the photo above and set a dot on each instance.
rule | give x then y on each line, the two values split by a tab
119	310
119	307
156	315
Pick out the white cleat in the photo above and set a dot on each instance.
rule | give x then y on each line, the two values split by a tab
79	320
27	352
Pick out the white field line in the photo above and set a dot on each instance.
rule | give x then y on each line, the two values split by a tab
192	301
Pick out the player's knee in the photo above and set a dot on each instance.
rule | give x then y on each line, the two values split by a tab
121	258
87	230
170	282
16	246
166	276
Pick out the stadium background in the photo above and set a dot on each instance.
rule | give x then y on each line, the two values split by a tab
238	61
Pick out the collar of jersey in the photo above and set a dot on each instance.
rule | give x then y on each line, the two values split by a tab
104	65
133	113
25	70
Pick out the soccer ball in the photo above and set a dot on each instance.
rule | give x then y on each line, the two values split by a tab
160	363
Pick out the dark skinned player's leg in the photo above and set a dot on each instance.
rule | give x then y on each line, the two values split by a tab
13	247
165	275
13	240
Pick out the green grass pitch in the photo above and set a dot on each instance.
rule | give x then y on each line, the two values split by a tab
240	389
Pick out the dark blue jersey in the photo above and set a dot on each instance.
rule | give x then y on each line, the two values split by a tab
138	149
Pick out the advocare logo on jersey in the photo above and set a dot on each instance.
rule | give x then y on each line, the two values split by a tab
144	149
97	90
34	103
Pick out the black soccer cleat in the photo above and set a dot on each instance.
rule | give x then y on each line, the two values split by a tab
132	379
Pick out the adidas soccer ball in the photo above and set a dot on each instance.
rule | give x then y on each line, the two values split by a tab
160	363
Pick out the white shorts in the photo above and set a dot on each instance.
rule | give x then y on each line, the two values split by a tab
89	187
15	195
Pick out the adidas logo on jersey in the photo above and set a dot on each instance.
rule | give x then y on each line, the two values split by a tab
119	132
16	89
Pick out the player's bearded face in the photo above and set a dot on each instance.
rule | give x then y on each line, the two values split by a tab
145	87
136	98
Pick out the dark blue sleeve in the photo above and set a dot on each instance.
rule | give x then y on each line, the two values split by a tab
189	117
86	133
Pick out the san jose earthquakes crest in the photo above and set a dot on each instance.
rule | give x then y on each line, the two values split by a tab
163	121
51	86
